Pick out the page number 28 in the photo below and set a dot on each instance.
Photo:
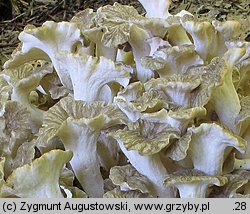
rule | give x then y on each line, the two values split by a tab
240	206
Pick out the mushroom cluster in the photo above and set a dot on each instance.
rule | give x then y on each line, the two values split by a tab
118	104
